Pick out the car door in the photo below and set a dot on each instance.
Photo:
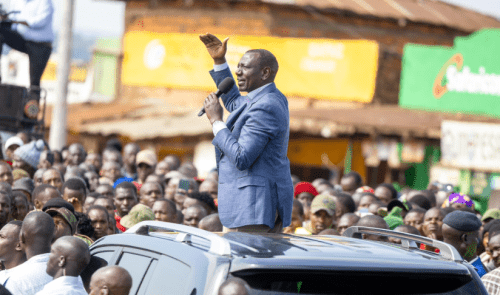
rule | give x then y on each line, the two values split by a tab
140	264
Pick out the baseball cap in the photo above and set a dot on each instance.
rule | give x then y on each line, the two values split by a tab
146	157
137	214
323	202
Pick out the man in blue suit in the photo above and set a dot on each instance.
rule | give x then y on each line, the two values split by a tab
255	185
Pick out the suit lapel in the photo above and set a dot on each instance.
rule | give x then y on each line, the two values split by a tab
231	119
264	92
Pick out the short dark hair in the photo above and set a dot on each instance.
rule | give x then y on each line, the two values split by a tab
127	185
16	223
394	192
266	59
169	203
204	197
75	184
347	201
357	178
299	206
417	210
40	189
421	201
50	156
97	207
84	224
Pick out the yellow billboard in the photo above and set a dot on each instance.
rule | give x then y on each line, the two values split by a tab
317	68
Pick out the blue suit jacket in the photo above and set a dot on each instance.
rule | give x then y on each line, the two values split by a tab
254	171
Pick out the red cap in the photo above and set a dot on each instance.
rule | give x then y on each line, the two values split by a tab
305	187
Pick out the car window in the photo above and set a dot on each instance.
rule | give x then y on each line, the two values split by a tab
170	277
137	266
106	255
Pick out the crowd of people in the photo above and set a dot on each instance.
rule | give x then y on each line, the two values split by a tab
55	204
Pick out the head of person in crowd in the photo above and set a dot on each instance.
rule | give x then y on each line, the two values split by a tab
125	198
193	215
63	214
173	162
461	230
351	181
57	157
20	173
165	210
162	168
492	226
106	203
146	164
112	155
94	159
46	160
376	222
138	213
106	190
74	191
11	252
173	184
160	179
130	152
386	192
27	156
420	200
11	145
24	136
76	155
93	180
415	218
114	144
490	215
459	202
189	170
68	257
210	186
404	229
305	192
5	187
20	205
433	224
403	205
431	196
329	232
493	248
202	199
347	220
44	193
377	208
297	217
111	171
5	207
36	233
322	213
24	185
84	229
179	198
366	200
394	219
6	173
234	286
343	204
53	177
321	185
89	201
211	223
100	221
112	280
87	168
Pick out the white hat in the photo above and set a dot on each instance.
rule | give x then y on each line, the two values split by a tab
13	140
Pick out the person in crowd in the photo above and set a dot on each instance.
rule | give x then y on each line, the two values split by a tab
189	170
94	159
5	207
160	179
44	193
68	258
193	215
20	173
106	203
322	214
404	229
146	164
93	180
420	201
351	182
234	286
202	199
165	210
297	218
386	193
433	223
89	201
112	280
74	172
329	232
100	221
322	185
110	172
173	185
24	136
11	146
493	250
74	191
173	162
211	223
24	185
347	220
492	226
394	219
63	214
373	221
491	282
84	229
343	204
77	154
106	190
46	160
53	177
209	186
150	193
35	237
139	212
37	177
130	152
11	252
162	168
6	173
112	155
27	156
20	206
415	218
125	199
366	200
403	205
461	230
305	192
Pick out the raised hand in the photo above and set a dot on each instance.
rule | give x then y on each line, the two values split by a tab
215	47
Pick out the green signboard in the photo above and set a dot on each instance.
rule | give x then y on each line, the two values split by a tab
464	78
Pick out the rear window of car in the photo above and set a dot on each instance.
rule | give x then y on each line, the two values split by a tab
354	283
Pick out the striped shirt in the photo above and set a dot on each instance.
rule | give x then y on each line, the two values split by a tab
491	282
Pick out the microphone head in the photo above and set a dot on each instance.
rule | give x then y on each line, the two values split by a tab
226	85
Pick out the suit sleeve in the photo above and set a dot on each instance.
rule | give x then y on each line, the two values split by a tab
262	126
233	99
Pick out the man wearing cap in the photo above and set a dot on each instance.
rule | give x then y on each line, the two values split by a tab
63	214
322	214
24	185
10	146
461	230
139	212
305	192
27	156
146	164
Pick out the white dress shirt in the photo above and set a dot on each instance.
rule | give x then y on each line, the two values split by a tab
4	275
64	286
38	14
219	125
30	277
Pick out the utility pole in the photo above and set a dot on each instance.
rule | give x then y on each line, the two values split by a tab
58	132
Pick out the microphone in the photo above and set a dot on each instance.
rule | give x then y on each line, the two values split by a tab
224	88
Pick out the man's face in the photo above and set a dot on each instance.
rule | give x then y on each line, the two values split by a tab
106	203
433	223
415	219
365	202
106	191
125	199
150	192
143	171
249	73
345	223
19	208
162	168
75	198
53	178
193	216
384	194
6	174
468	248
53	263
9	240
172	188
76	155
129	155
4	208
321	220
493	249
305	199
99	223
297	219
179	200
20	164
43	163
188	202
210	187
164	213
10	151
94	159
111	171
43	197
93	180
62	227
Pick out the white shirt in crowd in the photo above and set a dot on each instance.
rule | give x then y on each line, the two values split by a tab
4	275
38	14
64	286
29	277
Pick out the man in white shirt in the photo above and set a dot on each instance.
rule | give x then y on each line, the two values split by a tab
35	237
11	253
30	31
68	258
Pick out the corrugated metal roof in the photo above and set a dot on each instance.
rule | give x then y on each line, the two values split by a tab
423	11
